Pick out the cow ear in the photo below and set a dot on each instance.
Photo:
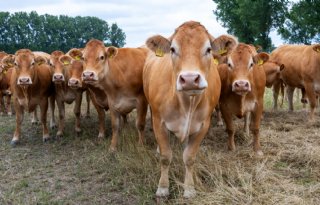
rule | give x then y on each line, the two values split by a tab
261	58
224	44
75	54
111	52
8	61
65	60
39	60
159	45
316	48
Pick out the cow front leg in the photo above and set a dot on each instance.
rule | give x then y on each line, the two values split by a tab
312	99
19	118
35	119
77	112
255	128
115	124
162	138
227	116
43	114
290	91
189	155
9	105
52	108
61	110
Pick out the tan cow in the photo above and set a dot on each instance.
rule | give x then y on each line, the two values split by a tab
302	71
114	78
5	92
68	88
31	85
243	83
182	86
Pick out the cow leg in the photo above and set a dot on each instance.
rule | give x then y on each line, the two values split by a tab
304	100
88	104
52	108
312	99
290	91
2	107
76	110
43	114
227	116
34	119
189	155
247	123
61	109
255	128
142	109
9	105
19	118
115	124
219	118
276	89
162	138
101	117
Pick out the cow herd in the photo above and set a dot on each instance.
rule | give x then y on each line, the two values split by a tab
182	79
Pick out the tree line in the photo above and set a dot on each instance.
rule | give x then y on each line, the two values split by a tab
253	20
48	32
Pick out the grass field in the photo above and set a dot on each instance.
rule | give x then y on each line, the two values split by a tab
80	170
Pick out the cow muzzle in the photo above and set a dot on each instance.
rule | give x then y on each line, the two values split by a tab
241	87
74	83
89	77
58	78
24	81
192	82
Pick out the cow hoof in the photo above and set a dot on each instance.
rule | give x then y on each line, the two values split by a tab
112	149
220	124
100	136
259	153
34	122
52	127
9	113
162	192
189	193
46	139
58	137
14	142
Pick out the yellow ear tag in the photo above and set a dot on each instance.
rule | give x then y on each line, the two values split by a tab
215	61
77	58
65	62
10	64
4	72
159	52
260	62
222	51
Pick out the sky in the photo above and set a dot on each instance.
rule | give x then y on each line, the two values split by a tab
139	19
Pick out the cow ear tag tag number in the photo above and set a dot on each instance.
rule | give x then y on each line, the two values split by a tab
260	62
77	58
159	52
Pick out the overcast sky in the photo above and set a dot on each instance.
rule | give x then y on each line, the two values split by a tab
139	19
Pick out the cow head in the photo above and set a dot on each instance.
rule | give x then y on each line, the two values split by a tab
95	57
190	50
75	69
241	61
25	62
272	71
57	67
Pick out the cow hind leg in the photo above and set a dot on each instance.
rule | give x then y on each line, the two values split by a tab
290	91
9	105
61	124
312	99
52	108
43	113
76	110
35	119
142	109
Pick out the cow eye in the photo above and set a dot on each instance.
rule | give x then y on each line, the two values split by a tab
102	58
15	63
173	50
229	65
251	65
32	63
208	51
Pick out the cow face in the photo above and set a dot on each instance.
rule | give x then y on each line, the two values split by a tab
241	61
75	73
272	71
95	56
57	67
25	63
190	51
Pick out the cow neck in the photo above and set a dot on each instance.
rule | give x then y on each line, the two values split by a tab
111	78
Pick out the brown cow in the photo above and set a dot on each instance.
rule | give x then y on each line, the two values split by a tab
301	64
31	85
243	83
5	92
68	87
114	76
182	86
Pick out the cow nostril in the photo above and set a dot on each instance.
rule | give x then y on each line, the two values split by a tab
91	75
246	84
182	80
197	79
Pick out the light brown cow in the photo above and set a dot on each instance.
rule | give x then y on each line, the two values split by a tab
301	64
243	84
31	85
182	86
114	76
5	92
68	87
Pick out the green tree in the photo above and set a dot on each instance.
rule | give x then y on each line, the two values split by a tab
303	22
251	20
48	33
